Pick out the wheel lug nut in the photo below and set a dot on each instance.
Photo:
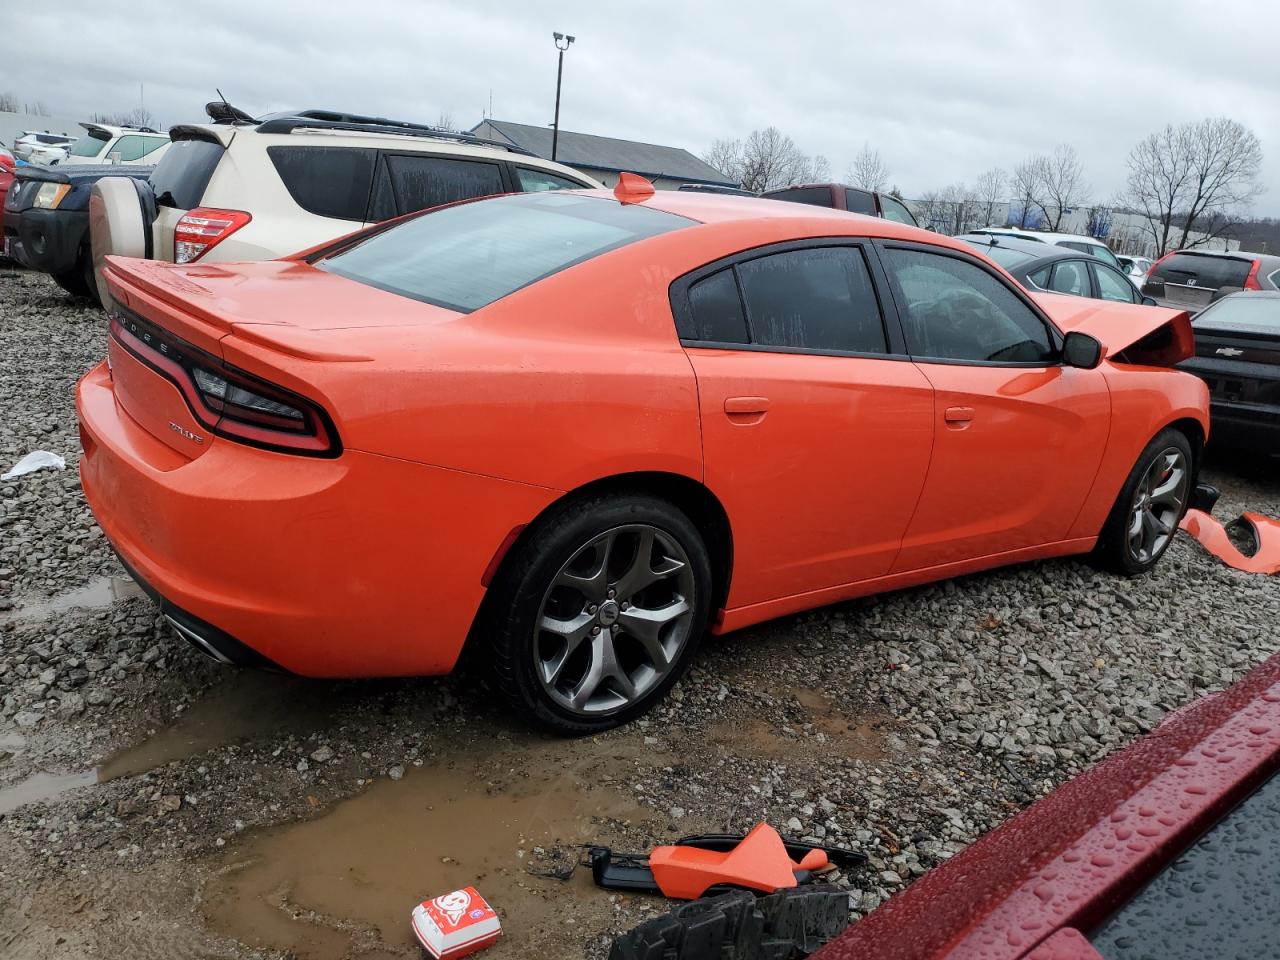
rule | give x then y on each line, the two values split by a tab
611	594
623	605
594	631
591	609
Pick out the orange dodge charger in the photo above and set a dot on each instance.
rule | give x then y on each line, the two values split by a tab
571	431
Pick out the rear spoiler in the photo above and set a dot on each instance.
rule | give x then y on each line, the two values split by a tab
222	136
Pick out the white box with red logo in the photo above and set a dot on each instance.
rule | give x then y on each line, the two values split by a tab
455	924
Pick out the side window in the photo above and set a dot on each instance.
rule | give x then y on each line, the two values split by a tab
1113	286
133	148
860	201
534	181
954	310
896	211
715	311
1040	278
1071	276
326	181
820	299
421	182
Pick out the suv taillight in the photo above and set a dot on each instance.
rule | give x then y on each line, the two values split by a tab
202	229
1251	281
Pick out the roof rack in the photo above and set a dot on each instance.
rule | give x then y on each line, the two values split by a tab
331	120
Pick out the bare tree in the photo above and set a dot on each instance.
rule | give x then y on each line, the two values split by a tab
140	117
990	194
869	170
1048	186
446	122
1194	179
768	158
38	108
8	103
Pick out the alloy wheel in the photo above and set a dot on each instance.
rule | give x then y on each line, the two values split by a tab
1157	505
615	619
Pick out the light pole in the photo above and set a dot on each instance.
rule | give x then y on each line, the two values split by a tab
560	38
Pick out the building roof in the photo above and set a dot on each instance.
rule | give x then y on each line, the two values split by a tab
607	153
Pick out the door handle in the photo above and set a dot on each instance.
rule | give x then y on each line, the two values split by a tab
746	410
734	405
958	416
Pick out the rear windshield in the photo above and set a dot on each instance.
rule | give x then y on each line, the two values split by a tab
467	256
1242	312
817	196
180	178
1199	270
1005	256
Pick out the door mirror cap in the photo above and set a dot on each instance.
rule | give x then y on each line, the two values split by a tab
1081	350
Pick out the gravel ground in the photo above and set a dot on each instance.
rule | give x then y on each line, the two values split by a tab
905	726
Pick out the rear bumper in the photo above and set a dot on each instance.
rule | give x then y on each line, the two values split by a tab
353	567
1247	425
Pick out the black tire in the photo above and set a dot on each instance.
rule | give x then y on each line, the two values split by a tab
510	619
738	926
1113	551
79	280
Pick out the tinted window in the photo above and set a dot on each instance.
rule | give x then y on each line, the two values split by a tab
422	182
1041	278
1203	271
182	174
715	311
327	181
1071	276
954	310
1004	256
1242	311
135	148
820	299
467	256
815	196
531	181
896	211
860	201
1112	285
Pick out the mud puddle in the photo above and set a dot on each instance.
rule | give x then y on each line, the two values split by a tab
343	884
95	595
823	730
252	704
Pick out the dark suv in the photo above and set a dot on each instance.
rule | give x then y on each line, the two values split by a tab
1193	279
841	196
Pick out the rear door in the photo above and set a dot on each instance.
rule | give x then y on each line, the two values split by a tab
816	427
1017	436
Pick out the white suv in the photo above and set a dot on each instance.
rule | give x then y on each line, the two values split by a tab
104	143
41	146
246	189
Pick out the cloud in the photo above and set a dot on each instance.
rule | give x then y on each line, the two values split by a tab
943	90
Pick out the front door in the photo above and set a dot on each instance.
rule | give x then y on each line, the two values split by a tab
1018	436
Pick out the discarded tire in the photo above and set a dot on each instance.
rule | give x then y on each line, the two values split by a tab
740	926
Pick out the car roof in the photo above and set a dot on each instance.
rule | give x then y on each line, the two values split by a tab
1229	254
1037	248
1251	294
1041	236
829	185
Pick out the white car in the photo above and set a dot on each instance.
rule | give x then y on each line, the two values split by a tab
104	143
1073	241
245	189
1136	268
41	146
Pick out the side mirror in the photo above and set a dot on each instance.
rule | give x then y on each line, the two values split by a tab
1081	350
1150	302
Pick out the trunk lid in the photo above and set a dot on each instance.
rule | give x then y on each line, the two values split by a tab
1123	327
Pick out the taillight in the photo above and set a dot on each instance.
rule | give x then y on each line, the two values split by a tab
230	402
202	229
1251	281
1155	266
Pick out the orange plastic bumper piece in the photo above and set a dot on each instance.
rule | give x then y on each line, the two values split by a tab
1212	535
760	862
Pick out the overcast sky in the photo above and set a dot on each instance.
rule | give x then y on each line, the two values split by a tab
943	90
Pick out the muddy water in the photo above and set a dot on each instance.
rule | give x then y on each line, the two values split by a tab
97	594
344	884
250	704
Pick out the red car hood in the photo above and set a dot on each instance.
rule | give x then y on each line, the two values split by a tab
1118	325
1027	889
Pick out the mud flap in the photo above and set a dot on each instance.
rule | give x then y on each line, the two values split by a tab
740	926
